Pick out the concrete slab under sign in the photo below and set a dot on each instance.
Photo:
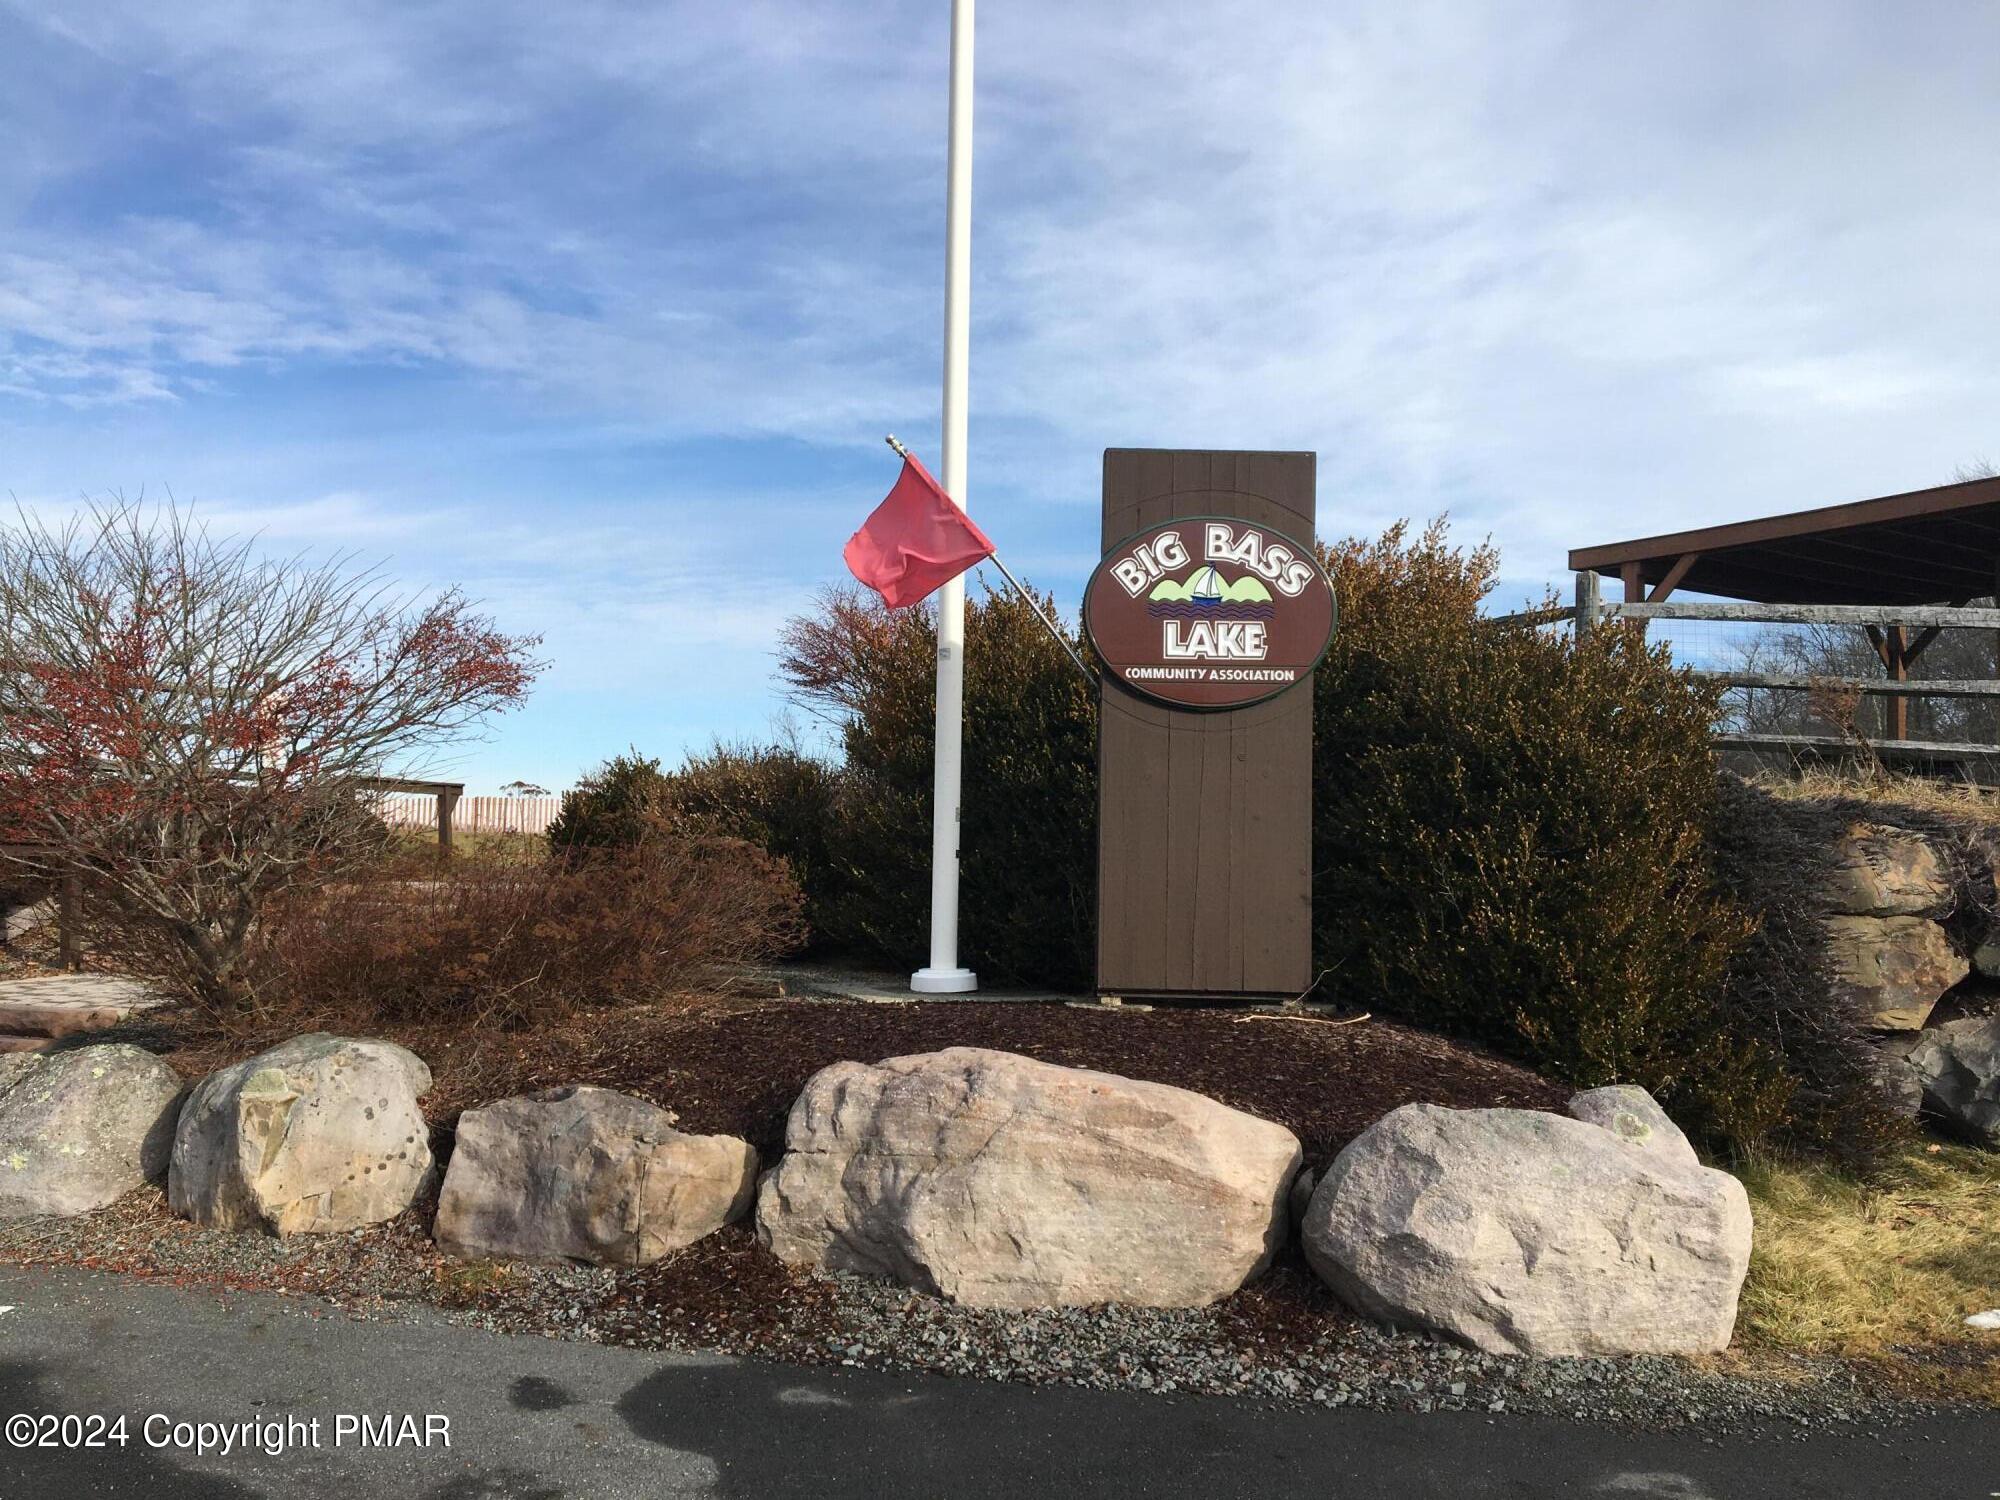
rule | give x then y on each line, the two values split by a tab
808	981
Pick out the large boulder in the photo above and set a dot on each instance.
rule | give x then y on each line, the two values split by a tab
81	1129
319	1134
1519	1232
1001	1181
1896	967
1958	1067
1881	871
586	1174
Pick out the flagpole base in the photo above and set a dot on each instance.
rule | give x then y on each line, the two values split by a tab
943	982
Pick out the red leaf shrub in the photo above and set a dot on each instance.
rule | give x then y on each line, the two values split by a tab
189	726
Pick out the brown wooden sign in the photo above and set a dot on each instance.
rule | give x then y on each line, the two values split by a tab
1204	883
1209	612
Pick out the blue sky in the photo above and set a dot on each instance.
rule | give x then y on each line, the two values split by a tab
601	310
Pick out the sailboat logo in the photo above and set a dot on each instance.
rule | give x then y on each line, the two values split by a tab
1205	617
1206	595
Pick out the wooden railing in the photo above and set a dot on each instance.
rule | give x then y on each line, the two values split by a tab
1888	627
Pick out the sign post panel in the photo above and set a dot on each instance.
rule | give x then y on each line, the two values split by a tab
1208	612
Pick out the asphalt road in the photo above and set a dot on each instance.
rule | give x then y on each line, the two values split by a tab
537	1419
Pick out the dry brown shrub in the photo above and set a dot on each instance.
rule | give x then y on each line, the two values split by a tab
499	941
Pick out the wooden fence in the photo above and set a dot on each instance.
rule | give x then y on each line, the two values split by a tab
474	814
1899	633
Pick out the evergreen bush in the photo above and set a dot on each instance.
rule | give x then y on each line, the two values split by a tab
613	807
780	799
1519	838
1028	819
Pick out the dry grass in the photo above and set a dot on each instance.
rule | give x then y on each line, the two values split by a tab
1884	1272
1958	800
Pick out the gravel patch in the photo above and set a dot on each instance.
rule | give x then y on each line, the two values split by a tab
1283	1341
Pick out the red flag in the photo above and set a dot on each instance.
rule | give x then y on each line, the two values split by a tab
916	540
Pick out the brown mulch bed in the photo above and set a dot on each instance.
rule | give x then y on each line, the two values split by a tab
734	1066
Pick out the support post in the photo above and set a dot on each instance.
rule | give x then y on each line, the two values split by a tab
447	801
1634	581
69	917
943	974
1897	660
1665	587
1588	604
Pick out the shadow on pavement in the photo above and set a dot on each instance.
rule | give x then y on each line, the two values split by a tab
864	1435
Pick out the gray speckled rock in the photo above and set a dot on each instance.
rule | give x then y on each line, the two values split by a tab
1634	1116
80	1129
321	1133
1958	1066
587	1174
1001	1181
1519	1232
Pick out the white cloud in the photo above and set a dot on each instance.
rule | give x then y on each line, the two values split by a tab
1371	229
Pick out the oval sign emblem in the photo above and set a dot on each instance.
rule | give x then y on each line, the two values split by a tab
1209	612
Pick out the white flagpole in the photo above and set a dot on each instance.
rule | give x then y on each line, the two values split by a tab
943	974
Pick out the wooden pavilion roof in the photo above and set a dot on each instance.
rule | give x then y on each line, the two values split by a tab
1935	546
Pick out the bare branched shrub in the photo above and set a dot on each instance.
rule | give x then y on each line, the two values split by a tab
187	724
1842	707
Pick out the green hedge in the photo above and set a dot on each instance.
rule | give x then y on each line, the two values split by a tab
1511	838
1028	818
